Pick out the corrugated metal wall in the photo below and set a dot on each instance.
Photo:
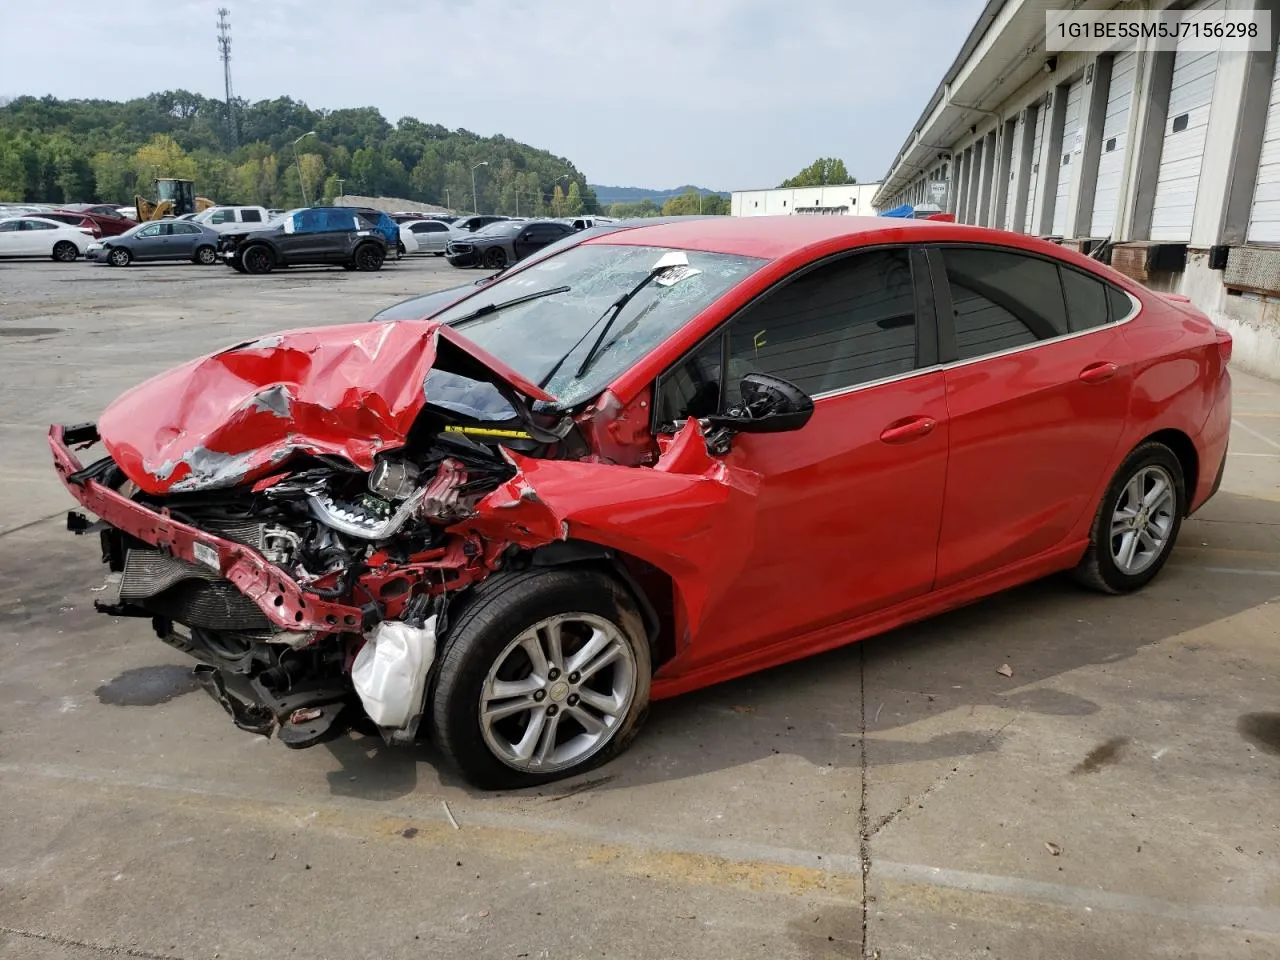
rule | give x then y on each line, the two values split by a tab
1264	218
1033	187
1115	135
1071	129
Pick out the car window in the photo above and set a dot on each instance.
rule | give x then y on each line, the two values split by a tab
692	387
10	225
250	216
1002	300
152	231
843	323
1121	305
1086	300
37	225
185	228
222	216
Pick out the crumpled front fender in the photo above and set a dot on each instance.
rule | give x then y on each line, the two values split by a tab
689	515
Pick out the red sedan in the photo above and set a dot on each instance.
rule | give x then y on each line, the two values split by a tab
104	218
653	461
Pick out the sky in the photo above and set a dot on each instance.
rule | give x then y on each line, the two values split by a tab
727	94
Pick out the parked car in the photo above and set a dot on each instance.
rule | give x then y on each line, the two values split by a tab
408	216
161	240
473	223
106	219
226	218
350	236
424	236
512	526
506	242
73	220
33	236
96	209
587	222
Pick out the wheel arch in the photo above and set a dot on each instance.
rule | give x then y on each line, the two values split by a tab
1184	449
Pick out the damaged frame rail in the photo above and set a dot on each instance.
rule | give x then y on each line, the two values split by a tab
281	599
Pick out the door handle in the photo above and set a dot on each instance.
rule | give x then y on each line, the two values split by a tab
1098	372
908	429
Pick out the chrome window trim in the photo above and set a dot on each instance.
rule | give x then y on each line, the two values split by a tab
1135	308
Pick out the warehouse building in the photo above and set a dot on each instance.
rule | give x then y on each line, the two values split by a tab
1172	155
844	199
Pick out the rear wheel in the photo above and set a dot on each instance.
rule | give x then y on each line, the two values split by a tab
545	675
1137	522
257	259
368	258
119	257
206	256
64	251
495	258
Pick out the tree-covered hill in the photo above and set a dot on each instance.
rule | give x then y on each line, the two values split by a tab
62	151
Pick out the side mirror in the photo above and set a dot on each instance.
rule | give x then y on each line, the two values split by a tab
769	405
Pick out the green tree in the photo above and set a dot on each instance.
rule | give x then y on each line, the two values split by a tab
557	201
573	202
820	173
639	208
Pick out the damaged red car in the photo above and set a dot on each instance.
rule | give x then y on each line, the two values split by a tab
656	460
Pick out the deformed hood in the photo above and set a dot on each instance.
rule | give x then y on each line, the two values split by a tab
231	417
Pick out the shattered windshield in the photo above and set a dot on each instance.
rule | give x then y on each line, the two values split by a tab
555	333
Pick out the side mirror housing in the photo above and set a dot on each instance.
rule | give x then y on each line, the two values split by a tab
769	405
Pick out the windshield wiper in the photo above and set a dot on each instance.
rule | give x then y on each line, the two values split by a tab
489	308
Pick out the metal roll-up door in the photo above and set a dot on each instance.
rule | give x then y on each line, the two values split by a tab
1264	218
1070	130
1033	183
1182	152
1015	171
1115	135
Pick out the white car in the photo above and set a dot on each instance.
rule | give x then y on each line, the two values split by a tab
229	218
38	237
425	236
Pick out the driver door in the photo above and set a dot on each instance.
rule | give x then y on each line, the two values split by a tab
849	507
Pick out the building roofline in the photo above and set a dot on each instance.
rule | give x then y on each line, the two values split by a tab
817	186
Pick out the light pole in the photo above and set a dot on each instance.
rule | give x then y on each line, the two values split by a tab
475	199
563	176
298	163
340	183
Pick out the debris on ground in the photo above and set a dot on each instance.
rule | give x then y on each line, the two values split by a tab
449	813
1004	670
1053	848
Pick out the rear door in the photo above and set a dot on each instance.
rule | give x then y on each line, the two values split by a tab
849	507
182	240
431	235
1037	389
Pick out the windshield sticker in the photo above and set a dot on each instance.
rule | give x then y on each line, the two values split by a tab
669	278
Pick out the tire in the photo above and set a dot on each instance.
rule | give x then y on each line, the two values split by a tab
257	259
236	265
64	251
119	257
1110	565
348	266
439	253
483	641
368	258
400	250
495	258
206	256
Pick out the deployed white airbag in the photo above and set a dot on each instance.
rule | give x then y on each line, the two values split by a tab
390	671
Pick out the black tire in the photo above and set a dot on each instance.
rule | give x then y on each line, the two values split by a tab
64	251
348	266
1099	569
257	258
495	613
495	258
400	250
206	256
119	257
236	265
368	258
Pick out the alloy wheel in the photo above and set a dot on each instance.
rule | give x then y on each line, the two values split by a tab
557	693
1143	520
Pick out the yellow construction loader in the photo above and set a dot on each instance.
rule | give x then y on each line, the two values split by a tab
174	198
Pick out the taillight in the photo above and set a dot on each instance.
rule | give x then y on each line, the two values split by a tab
1224	344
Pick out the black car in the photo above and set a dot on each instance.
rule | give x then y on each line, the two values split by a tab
503	243
354	237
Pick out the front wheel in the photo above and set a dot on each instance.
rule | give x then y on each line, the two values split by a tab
206	256
119	257
546	675
1137	522
64	251
495	258
257	259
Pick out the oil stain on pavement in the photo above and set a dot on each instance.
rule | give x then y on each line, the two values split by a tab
1103	755
1262	730
147	686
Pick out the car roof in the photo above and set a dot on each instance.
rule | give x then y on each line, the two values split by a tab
774	237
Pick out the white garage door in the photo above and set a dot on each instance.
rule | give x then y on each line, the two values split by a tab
1033	184
1070	130
1115	133
1182	153
1264	220
1015	172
